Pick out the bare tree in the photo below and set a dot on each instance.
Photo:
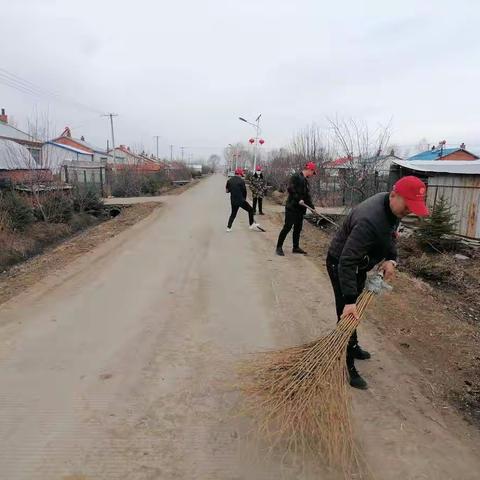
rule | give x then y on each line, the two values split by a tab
281	164
40	126
363	149
238	155
309	145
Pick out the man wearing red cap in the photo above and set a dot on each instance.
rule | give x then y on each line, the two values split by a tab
298	197
238	198
367	238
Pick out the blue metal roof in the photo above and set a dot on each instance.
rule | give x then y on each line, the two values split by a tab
434	154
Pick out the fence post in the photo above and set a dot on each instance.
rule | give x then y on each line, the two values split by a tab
101	182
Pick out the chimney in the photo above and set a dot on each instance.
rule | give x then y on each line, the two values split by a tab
3	116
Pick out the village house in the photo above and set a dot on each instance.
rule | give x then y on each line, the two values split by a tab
443	153
123	155
377	163
9	132
66	149
18	166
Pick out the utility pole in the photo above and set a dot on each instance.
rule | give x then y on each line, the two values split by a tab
257	121
171	153
255	141
111	115
183	150
157	137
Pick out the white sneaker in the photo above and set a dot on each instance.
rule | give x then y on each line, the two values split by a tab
229	230
255	226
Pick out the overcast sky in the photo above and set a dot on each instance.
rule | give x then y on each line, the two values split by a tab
186	69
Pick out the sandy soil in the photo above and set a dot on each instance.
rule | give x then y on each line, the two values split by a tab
121	365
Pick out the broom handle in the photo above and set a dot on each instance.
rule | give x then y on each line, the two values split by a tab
319	214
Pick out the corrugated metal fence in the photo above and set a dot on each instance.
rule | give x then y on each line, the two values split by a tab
462	192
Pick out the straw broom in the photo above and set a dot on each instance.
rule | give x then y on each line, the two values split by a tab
299	395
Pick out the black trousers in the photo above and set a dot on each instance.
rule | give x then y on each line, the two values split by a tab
332	268
292	219
246	206
260	204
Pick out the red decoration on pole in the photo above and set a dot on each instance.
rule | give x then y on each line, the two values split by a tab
261	141
252	140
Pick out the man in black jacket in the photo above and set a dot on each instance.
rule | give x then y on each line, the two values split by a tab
298	197
367	238
238	198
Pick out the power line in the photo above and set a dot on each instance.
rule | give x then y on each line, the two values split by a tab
25	86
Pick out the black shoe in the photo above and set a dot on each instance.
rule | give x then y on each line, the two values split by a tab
360	354
279	252
356	381
261	213
299	250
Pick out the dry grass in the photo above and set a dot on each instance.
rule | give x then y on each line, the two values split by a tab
300	399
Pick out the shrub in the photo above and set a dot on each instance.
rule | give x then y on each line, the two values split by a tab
435	231
55	207
88	201
15	212
150	185
82	220
126	184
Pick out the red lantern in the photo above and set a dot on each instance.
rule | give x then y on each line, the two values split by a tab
252	140
261	141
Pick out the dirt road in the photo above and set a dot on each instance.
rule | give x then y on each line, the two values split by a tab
121	366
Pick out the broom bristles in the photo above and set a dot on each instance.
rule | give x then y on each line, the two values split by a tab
299	396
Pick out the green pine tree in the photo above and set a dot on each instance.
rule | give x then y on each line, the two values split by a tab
436	230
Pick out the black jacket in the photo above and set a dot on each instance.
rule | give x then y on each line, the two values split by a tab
366	237
298	189
237	189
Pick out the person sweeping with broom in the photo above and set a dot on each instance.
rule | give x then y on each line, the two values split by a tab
238	198
367	238
298	395
298	197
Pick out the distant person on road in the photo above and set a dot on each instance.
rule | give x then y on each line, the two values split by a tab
258	186
368	238
295	209
238	198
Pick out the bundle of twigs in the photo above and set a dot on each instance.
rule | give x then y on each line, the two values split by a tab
299	396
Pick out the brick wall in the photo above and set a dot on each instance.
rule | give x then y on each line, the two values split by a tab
26	176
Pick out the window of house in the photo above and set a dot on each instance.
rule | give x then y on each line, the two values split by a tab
35	153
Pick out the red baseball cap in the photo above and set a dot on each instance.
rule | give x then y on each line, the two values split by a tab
259	168
311	166
413	191
239	171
